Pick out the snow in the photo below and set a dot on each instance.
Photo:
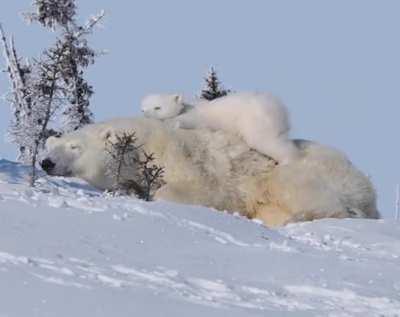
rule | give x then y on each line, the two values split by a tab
67	249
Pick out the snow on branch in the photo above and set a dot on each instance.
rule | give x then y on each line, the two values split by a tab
90	24
53	13
52	85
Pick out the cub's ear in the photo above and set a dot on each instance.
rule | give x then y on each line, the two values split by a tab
51	141
178	99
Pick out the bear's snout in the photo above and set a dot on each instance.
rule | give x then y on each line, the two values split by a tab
47	165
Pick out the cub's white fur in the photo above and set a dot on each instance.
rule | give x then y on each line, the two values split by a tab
259	118
162	107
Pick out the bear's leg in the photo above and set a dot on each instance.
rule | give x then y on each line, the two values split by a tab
280	149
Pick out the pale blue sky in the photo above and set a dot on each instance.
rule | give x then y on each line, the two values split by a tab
334	63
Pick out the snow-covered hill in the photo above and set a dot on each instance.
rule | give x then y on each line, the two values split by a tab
69	250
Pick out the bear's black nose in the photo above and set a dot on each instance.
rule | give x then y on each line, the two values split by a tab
47	164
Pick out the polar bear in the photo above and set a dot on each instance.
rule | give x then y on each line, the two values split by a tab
218	169
259	118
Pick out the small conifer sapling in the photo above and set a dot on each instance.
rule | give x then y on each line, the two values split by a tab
127	158
213	88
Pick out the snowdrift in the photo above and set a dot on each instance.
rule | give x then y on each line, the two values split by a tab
67	249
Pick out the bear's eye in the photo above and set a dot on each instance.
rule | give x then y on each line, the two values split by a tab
74	146
157	108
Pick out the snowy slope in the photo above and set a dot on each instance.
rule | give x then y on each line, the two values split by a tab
68	250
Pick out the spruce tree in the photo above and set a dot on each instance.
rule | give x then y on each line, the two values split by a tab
213	88
40	87
78	55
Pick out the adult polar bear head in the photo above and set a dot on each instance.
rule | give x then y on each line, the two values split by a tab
218	169
81	154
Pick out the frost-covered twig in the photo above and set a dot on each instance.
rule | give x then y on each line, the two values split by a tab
12	66
21	97
90	24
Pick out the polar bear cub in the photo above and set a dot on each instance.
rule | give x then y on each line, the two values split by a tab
260	119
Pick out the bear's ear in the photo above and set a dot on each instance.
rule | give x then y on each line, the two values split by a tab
178	99
51	141
74	145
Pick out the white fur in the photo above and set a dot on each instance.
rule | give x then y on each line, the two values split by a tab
155	106
215	168
259	118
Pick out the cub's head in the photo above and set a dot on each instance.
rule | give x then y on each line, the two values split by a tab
162	107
